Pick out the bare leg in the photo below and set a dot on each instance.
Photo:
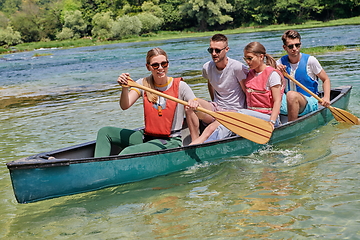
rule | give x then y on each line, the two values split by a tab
296	103
206	133
193	123
192	118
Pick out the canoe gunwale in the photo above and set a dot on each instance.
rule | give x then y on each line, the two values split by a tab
343	91
42	160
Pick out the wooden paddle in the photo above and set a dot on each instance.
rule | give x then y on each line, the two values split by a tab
339	114
249	127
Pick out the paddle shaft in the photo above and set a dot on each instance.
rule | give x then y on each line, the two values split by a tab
302	86
339	114
249	127
135	84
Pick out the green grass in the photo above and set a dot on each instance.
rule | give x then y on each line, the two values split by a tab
322	50
164	35
3	50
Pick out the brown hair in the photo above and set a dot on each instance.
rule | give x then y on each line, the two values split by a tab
149	81
292	34
257	49
219	38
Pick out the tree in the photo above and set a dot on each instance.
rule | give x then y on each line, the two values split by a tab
172	17
71	5
50	22
27	21
295	11
262	12
66	33
150	7
9	37
102	25
73	20
4	21
149	22
126	26
338	9
10	6
207	12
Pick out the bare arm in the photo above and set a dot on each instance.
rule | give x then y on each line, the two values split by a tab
127	98
326	87
211	91
242	84
276	94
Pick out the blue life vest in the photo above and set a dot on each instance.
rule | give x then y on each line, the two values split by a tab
301	75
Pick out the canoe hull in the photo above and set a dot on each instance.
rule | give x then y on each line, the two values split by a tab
74	170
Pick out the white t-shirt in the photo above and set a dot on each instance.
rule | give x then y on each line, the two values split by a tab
226	83
313	68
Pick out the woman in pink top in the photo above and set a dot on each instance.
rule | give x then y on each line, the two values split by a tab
264	84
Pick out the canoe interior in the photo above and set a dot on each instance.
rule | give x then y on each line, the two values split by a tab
74	170
86	150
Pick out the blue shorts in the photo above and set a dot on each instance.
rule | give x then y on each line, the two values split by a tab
312	105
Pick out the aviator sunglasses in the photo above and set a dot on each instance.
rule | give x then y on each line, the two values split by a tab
291	46
217	51
157	65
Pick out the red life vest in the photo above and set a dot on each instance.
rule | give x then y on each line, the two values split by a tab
258	98
159	119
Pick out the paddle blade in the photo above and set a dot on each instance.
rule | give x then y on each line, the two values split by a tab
344	116
249	127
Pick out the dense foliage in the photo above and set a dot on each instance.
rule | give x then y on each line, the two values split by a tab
46	20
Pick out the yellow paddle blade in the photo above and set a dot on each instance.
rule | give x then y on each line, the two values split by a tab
249	127
344	116
339	114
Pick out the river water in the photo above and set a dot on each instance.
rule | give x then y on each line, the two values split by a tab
307	187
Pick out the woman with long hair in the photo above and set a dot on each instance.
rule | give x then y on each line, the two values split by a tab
264	84
163	117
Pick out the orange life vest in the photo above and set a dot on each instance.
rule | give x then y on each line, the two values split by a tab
258	98
159	119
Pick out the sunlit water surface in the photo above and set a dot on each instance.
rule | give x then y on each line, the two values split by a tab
304	188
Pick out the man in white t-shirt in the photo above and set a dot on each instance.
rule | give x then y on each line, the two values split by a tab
224	75
307	70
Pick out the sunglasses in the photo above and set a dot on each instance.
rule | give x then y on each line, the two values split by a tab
157	65
217	51
291	46
248	59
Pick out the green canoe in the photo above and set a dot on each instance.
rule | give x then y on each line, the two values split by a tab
74	170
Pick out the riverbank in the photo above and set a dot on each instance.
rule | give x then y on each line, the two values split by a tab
164	35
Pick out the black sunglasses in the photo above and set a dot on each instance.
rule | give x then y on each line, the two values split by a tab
217	51
157	65
291	46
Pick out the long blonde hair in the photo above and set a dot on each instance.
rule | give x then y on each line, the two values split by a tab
257	49
149	81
